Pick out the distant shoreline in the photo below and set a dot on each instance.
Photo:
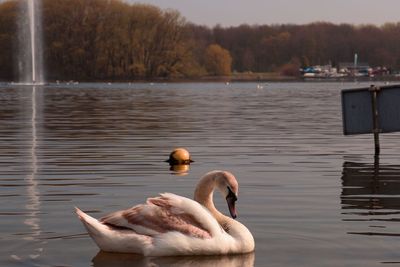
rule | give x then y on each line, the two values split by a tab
236	77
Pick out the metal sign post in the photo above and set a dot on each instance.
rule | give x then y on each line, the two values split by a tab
375	117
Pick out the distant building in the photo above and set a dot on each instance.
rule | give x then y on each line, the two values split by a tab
344	69
359	69
320	71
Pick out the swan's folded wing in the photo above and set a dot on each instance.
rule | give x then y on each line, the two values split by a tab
166	213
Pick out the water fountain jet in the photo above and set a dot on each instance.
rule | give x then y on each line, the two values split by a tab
30	56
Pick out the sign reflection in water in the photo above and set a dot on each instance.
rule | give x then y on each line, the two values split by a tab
371	193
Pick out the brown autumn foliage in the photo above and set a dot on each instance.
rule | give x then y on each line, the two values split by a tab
8	28
264	48
113	40
291	69
110	39
218	61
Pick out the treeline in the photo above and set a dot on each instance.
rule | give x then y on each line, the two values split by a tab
271	48
110	39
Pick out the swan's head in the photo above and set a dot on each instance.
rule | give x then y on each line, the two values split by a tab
229	188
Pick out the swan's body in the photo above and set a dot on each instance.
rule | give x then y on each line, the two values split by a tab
175	225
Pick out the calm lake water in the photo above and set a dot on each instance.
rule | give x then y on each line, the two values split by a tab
309	195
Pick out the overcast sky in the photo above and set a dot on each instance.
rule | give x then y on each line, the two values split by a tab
236	12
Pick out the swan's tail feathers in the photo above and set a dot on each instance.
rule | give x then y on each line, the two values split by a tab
113	239
92	225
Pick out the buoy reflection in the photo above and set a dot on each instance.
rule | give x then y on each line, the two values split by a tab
182	169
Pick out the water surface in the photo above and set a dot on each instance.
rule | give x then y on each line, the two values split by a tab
309	195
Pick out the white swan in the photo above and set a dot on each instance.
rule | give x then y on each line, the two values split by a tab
174	225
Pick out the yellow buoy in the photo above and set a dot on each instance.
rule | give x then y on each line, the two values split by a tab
179	156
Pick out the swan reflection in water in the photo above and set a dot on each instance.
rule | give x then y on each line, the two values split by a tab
105	259
370	197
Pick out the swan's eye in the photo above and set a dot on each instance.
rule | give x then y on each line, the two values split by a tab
231	194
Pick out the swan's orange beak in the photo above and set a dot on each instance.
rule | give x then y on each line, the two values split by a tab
231	199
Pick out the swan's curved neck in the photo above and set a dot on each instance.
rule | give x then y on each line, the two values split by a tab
204	195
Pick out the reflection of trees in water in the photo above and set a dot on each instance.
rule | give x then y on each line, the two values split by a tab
371	193
84	113
122	260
